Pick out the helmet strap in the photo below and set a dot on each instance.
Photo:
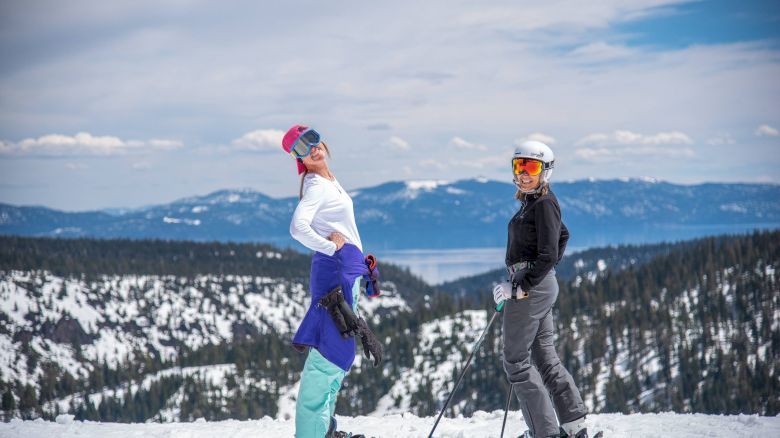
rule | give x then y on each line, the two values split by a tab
528	192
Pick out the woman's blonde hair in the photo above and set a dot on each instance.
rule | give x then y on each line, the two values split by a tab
306	172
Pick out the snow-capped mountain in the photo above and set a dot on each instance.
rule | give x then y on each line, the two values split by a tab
434	214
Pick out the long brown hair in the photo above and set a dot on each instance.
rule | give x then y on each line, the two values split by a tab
306	172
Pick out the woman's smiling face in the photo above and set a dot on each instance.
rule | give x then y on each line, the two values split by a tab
528	182
315	159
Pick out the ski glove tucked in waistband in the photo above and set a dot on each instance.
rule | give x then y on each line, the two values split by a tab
350	325
340	311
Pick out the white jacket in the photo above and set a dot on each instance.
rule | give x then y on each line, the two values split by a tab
325	207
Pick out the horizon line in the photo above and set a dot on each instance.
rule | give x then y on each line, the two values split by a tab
437	182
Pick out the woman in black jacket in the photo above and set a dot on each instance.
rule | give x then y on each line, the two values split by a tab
537	240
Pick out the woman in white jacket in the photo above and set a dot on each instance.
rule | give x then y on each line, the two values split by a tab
324	222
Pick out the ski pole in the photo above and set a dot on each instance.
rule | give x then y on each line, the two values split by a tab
506	409
499	308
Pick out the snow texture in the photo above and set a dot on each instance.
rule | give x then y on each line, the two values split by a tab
480	425
464	327
195	311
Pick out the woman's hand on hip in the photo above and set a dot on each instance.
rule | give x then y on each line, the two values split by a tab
338	239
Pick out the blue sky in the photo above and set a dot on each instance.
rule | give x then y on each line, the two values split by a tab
706	22
135	103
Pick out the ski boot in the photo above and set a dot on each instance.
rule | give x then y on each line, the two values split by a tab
577	429
581	433
333	433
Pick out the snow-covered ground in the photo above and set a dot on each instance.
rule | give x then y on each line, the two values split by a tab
480	425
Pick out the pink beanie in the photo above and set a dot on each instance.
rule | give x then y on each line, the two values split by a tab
289	139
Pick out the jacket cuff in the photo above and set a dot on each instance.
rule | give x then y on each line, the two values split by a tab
331	251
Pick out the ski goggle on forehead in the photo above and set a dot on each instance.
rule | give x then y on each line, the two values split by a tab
302	146
532	167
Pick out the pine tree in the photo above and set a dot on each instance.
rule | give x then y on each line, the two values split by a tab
9	402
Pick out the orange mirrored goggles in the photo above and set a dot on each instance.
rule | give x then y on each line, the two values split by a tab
532	167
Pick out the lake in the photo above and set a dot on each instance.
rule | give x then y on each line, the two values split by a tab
439	265
436	266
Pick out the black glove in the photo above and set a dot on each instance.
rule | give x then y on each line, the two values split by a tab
350	320
516	276
338	308
371	346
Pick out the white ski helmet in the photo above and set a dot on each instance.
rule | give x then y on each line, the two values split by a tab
536	150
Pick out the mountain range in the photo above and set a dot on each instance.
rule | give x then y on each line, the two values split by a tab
432	214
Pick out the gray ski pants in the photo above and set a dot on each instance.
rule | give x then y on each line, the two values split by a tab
528	334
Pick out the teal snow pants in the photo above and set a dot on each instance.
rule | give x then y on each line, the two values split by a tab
320	384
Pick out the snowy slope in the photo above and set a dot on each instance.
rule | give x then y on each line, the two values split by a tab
214	375
85	322
481	425
440	338
79	324
117	315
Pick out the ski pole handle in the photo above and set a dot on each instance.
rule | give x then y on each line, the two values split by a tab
500	306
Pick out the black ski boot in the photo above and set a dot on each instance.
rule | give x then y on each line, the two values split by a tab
340	434
333	433
528	434
582	433
576	429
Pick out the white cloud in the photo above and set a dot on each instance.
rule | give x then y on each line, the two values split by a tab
614	154
76	166
533	16
260	140
485	161
721	140
164	144
766	130
627	145
6	147
538	136
625	137
464	144
601	51
398	143
504	68
432	163
83	143
597	138
491	162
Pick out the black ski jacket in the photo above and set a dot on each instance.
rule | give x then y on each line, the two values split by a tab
536	234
